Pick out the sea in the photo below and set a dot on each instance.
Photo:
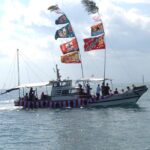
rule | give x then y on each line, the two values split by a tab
111	128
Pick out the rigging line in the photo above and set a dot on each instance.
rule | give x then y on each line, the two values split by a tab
13	75
9	71
54	62
34	71
27	72
35	66
29	67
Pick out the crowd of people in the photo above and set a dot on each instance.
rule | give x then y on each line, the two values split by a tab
31	96
103	90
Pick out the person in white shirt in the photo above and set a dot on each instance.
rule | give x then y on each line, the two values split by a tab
98	91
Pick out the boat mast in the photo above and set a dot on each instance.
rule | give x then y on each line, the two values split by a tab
18	70
81	65
104	65
104	75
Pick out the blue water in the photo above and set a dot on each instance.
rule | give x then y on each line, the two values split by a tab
113	128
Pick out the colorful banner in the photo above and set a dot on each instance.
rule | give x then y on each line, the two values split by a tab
65	32
70	46
97	29
62	20
72	57
94	43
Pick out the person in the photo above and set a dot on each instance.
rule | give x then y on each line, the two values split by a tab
128	88
88	90
42	96
98	91
107	89
133	86
26	97
110	92
116	91
31	94
122	90
80	89
103	89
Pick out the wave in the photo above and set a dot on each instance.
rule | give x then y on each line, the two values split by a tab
6	105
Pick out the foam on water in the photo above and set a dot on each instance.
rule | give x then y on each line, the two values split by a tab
6	105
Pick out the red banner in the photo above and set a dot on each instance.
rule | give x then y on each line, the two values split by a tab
72	57
94	43
70	46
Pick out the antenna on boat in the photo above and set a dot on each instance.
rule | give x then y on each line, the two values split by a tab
58	74
18	70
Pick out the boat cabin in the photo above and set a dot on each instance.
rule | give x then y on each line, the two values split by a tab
63	90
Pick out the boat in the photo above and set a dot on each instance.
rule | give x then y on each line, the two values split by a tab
65	95
70	94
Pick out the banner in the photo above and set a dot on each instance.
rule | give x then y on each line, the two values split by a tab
97	29
72	57
94	43
65	32
70	46
62	20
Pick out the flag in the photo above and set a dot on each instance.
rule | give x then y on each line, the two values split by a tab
94	43
69	46
62	20
65	32
97	29
72	57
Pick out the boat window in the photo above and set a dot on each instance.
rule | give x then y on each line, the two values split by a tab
58	92
73	91
63	84
64	92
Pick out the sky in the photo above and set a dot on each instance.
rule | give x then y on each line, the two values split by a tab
27	25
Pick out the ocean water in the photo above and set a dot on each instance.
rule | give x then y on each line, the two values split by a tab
112	128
